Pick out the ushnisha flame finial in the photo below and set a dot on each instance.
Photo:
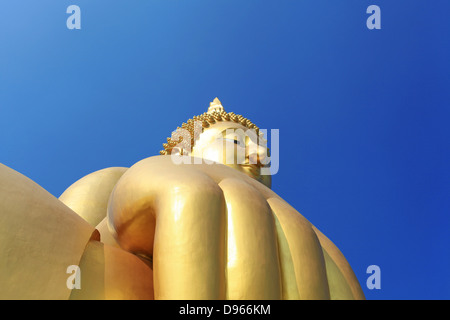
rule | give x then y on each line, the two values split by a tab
215	106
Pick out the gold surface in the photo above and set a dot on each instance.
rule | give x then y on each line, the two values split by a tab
253	270
88	197
178	214
112	274
193	225
39	238
341	263
218	144
223	137
105	234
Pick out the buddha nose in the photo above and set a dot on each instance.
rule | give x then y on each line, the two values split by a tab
257	156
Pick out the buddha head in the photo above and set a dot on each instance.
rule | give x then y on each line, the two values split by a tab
217	136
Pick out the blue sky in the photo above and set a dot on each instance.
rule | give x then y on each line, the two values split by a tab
363	114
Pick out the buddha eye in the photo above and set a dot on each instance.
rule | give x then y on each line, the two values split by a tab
235	141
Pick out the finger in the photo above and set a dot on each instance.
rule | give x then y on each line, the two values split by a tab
305	249
253	271
176	215
341	264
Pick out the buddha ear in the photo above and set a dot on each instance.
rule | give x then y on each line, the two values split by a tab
179	151
176	151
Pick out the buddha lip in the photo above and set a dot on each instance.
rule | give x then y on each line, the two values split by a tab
251	165
252	169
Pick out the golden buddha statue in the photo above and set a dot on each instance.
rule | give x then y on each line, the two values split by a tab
191	223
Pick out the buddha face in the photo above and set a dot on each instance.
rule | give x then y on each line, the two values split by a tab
236	146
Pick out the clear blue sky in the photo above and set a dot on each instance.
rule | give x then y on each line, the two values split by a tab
363	114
